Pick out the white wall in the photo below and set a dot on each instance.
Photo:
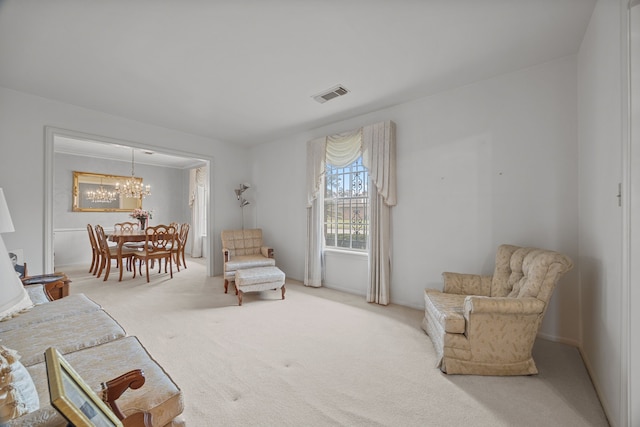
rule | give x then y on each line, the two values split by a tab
169	196
600	129
489	163
23	118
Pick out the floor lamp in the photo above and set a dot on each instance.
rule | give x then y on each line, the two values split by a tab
243	202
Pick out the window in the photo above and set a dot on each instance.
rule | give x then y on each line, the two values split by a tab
346	206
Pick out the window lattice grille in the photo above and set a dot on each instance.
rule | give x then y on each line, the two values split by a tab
346	201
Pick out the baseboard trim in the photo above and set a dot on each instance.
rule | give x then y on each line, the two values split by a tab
560	340
596	386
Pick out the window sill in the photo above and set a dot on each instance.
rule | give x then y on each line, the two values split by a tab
360	254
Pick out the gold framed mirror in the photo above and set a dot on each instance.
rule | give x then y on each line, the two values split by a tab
96	192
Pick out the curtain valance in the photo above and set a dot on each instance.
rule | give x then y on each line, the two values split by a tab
376	144
344	148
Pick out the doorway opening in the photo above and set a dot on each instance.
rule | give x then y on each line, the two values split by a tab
171	199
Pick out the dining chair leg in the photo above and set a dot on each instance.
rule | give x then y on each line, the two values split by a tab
169	260
177	260
147	266
97	266
93	261
99	273
106	273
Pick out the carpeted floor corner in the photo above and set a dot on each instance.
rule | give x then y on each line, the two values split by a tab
324	358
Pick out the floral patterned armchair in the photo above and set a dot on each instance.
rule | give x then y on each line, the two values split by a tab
486	325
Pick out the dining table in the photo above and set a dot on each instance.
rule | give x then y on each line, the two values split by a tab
126	236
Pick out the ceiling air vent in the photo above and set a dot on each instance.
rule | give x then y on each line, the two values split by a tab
334	92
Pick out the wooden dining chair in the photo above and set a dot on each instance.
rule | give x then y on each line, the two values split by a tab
159	243
129	226
109	253
181	243
174	249
95	250
126	226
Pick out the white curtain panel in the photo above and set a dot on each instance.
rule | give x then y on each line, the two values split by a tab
379	157
314	257
313	269
316	155
379	275
198	218
376	144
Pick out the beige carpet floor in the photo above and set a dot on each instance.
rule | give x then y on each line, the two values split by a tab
324	358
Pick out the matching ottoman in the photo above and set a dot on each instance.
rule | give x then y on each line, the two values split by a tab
258	279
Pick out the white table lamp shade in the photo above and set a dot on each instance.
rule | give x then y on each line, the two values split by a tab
13	297
6	225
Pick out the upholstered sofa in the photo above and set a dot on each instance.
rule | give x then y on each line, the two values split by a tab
487	325
242	249
97	347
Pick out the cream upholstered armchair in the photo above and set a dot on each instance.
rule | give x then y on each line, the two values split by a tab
242	249
486	325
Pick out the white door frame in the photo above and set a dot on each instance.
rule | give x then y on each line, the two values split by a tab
630	197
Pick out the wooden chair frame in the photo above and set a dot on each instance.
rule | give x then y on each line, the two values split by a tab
109	253
126	226
96	252
159	243
178	251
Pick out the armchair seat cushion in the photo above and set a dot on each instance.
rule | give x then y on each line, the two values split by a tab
242	262
446	309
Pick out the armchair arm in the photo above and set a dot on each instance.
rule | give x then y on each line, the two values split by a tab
267	252
466	284
226	254
502	305
113	389
502	330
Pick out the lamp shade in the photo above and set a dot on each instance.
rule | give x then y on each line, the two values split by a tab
6	225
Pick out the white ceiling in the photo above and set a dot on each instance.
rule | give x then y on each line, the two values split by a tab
245	71
109	151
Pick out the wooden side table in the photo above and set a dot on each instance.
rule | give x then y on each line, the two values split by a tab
56	285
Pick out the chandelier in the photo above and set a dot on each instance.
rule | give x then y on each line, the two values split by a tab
133	187
101	195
